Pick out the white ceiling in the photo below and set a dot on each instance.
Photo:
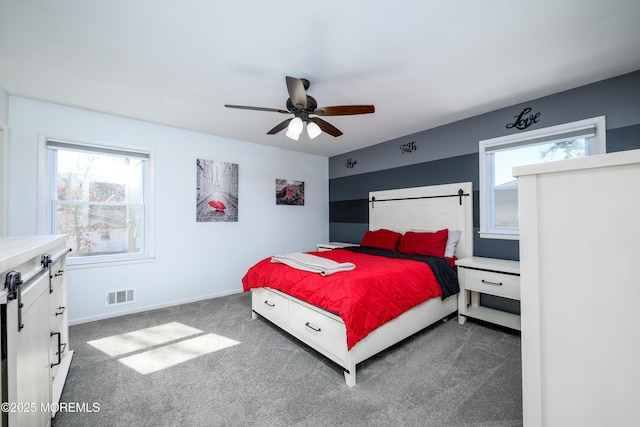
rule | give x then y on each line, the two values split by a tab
422	63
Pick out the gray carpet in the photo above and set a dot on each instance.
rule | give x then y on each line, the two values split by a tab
446	375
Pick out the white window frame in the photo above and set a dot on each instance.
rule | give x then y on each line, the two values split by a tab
45	191
596	125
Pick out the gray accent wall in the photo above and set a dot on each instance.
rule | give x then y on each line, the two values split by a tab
449	153
618	99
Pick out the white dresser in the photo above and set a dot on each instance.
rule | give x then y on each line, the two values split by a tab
579	240
34	321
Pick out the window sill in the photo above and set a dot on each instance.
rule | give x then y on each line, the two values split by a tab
77	265
503	236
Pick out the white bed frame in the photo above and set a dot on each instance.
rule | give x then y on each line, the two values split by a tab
418	208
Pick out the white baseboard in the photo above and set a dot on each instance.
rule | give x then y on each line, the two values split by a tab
149	308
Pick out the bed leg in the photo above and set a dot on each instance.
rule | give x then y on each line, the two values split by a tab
350	371
350	377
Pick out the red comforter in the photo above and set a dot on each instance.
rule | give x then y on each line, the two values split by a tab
377	291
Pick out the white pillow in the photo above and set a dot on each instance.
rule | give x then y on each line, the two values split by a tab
452	240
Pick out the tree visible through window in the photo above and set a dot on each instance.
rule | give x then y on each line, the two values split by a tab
98	199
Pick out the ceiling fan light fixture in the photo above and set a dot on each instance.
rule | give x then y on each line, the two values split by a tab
292	135
313	129
295	128
296	125
301	106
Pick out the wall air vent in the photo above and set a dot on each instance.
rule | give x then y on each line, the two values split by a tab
120	297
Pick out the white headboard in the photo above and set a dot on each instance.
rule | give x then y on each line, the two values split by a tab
426	208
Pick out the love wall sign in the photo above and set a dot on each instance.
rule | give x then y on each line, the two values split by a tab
524	119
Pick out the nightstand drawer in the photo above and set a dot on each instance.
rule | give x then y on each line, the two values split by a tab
489	282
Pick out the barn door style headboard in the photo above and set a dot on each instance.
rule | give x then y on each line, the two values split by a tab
428	208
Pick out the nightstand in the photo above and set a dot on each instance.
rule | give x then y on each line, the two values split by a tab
334	245
489	276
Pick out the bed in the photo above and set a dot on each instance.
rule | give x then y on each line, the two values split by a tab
318	317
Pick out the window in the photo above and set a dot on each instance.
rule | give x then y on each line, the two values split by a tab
499	189
99	197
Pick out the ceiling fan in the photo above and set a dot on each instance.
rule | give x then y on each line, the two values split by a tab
302	106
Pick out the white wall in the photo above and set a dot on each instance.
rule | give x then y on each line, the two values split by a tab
4	106
4	119
193	260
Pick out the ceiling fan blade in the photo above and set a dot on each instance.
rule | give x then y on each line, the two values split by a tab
297	94
326	126
279	127
345	110
244	107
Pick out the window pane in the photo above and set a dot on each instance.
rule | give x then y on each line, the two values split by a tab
100	229
505	186
99	178
98	202
505	160
505	199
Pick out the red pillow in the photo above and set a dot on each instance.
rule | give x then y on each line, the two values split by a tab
432	244
383	238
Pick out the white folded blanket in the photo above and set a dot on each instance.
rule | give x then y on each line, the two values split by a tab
312	263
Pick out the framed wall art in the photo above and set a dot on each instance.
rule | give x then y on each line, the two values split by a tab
216	191
289	192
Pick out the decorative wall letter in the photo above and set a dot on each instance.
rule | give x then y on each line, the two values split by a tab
522	122
409	147
350	163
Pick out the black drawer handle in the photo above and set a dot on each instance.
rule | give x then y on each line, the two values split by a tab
269	304
62	310
492	283
61	347
312	328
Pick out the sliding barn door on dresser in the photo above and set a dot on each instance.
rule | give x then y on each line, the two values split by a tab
36	354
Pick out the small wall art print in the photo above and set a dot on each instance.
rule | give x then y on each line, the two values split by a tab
289	192
216	191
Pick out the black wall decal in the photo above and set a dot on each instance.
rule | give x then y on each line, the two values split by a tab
409	147
522	121
350	163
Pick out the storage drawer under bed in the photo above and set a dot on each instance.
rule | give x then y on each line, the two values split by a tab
318	328
271	305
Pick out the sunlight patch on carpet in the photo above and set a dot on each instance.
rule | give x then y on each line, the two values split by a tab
159	347
174	354
144	338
